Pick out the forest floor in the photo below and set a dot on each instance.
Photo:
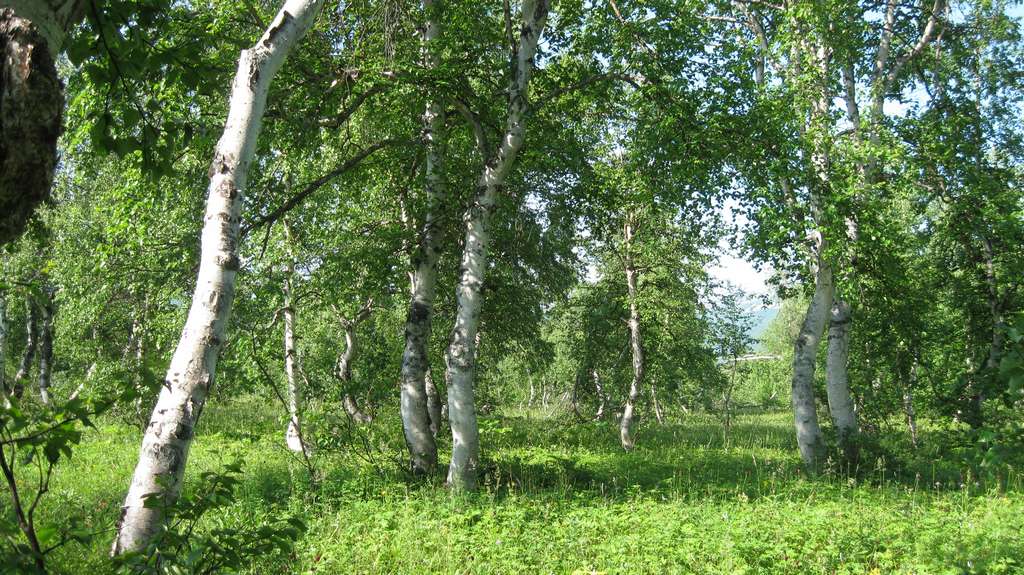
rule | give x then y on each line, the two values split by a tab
561	497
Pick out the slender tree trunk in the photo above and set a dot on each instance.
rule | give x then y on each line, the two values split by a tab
344	372
32	341
191	372
417	422
3	346
433	403
659	413
461	356
31	104
840	402
635	343
601	398
908	405
46	346
293	432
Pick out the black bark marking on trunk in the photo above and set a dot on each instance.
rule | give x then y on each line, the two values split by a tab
31	116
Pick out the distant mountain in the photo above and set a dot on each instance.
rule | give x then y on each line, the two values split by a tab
762	319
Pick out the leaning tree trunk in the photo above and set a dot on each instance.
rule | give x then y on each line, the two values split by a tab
635	344
46	347
461	356
837	384
417	423
31	103
191	372
805	353
343	370
31	342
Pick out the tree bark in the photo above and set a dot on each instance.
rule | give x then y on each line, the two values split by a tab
635	343
3	346
420	430
601	398
31	104
293	433
31	342
343	369
191	372
837	384
461	356
433	403
46	346
908	405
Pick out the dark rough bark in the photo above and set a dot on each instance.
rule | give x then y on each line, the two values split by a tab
31	106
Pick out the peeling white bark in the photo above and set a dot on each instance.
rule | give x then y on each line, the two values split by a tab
417	424
191	372
461	356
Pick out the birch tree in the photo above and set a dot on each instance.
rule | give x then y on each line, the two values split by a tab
32	33
635	340
461	355
191	373
418	420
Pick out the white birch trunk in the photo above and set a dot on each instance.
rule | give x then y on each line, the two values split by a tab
3	346
419	427
837	384
635	343
31	342
293	432
908	405
191	372
461	356
46	346
343	371
601	398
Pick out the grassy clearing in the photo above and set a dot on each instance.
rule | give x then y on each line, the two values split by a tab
560	497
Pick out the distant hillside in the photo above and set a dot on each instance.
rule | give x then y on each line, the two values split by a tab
762	318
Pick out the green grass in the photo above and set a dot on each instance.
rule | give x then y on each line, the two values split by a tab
560	497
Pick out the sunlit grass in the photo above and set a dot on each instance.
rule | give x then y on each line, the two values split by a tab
560	496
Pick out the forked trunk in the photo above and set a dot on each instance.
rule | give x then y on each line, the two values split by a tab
461	356
419	426
190	375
